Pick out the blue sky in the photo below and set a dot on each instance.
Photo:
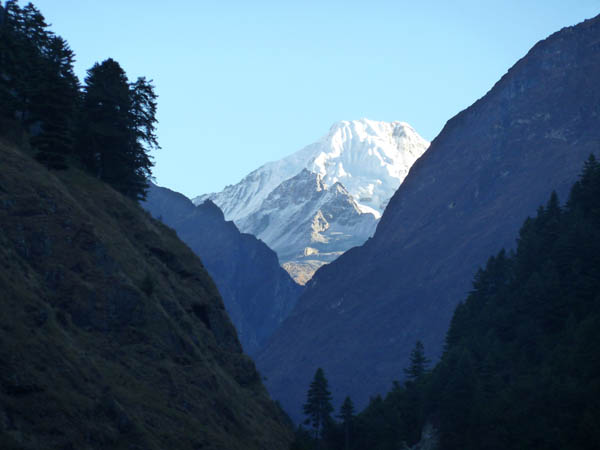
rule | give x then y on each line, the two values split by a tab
241	83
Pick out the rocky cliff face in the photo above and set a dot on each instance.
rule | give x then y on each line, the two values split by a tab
112	334
258	294
308	222
363	160
491	166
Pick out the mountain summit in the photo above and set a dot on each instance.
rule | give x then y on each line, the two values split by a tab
364	158
309	223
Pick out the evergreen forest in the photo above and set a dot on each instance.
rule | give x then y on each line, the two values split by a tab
520	367
106	126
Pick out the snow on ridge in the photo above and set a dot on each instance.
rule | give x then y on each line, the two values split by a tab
370	158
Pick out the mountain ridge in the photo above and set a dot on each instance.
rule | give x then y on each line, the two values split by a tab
463	200
258	294
325	152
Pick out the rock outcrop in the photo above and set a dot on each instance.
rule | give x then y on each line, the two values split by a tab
309	223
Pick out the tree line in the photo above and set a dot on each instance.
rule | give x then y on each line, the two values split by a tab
107	126
353	431
521	361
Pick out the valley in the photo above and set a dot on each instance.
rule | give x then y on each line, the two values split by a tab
371	290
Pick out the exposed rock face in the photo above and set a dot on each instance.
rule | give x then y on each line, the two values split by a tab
309	222
363	160
257	292
491	166
112	334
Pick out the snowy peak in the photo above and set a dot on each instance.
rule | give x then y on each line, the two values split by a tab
305	217
331	192
370	158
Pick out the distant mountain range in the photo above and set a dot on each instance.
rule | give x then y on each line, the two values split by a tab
492	165
315	204
258	294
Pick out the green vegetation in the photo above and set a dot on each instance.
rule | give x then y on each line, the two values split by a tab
112	334
107	127
521	365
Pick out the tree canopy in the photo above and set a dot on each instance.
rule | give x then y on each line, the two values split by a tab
108	127
117	128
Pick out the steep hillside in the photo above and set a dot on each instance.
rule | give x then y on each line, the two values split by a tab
258	294
520	367
112	335
490	167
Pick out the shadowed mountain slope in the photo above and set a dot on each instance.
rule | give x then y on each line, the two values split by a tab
490	167
257	292
112	334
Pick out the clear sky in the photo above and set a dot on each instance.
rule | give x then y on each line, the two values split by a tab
244	82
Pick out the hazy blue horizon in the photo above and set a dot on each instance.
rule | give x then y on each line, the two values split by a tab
244	83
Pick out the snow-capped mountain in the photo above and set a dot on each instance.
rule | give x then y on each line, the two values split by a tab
309	223
370	158
362	162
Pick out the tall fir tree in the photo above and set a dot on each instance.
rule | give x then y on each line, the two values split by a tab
38	87
103	134
143	126
56	102
117	128
347	417
418	363
318	406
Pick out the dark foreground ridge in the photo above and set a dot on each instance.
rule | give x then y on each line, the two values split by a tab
465	199
112	334
257	292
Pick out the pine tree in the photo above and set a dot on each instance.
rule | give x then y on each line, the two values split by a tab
116	131
103	132
318	406
55	105
143	121
347	416
418	363
38	87
29	36
586	191
19	59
